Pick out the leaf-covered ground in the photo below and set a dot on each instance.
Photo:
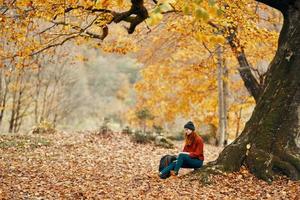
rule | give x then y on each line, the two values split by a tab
89	166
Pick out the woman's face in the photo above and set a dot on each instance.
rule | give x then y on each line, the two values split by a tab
187	131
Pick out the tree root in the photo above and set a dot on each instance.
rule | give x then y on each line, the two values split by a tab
265	165
204	174
286	168
259	163
292	157
262	164
230	160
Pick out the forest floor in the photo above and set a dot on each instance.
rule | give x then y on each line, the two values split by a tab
89	166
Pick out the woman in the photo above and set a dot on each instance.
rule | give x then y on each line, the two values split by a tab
192	155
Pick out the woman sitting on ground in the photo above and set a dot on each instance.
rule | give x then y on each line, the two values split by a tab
192	154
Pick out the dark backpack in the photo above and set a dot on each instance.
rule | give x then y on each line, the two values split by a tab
164	162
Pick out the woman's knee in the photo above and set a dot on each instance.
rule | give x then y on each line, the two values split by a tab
199	164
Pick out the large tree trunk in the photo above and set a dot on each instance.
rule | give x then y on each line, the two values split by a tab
270	142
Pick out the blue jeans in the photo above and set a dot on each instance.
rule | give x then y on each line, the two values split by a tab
183	161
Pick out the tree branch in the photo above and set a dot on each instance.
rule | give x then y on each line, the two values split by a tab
47	29
84	30
54	45
138	9
250	82
5	7
91	9
74	35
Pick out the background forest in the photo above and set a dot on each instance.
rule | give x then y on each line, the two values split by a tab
94	92
75	88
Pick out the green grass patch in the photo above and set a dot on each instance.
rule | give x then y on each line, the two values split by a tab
8	141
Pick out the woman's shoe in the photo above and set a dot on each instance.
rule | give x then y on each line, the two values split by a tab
173	173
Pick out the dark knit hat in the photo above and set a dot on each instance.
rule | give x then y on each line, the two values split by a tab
190	126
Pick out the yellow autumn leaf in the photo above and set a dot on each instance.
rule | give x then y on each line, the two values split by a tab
154	19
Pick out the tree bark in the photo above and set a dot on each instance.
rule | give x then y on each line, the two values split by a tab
270	141
238	116
250	82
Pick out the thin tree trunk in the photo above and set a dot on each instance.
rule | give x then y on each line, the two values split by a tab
44	102
18	108
13	109
144	126
1	70
19	102
12	115
51	98
226	93
4	98
37	95
54	120
221	97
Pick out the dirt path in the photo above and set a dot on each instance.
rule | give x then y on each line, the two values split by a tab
87	166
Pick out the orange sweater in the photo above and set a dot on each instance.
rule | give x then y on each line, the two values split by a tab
195	148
